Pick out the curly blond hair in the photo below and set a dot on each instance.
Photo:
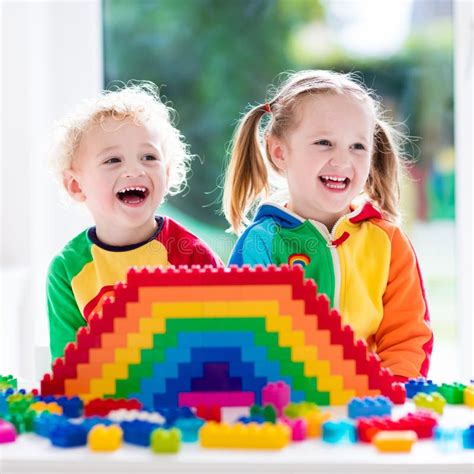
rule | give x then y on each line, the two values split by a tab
138	100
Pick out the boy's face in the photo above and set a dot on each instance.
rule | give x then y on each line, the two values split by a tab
121	175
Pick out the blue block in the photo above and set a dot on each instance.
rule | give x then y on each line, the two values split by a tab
414	386
448	439
251	419
171	414
254	354
339	432
45	422
216	354
367	407
189	428
468	438
89	423
178	354
138	432
72	407
68	436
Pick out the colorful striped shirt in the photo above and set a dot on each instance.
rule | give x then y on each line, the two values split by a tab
367	268
83	274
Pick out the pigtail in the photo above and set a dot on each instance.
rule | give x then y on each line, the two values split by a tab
247	175
383	184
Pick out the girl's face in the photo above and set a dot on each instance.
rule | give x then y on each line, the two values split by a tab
119	172
326	156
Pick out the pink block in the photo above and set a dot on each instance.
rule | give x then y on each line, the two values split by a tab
277	394
7	432
222	399
298	426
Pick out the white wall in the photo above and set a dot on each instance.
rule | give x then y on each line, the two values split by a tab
464	146
51	58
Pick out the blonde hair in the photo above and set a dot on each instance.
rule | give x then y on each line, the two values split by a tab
248	175
138	100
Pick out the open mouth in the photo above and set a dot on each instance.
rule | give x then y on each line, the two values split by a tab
335	182
133	195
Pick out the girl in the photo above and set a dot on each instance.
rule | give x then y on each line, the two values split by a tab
325	137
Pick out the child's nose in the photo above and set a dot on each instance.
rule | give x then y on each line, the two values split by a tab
133	172
339	158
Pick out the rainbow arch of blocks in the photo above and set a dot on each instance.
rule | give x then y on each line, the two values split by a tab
201	335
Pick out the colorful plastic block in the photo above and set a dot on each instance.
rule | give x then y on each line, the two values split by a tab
105	438
422	423
102	407
339	432
165	441
68	436
468	438
271	324
395	441
240	436
138	432
300	410
298	427
7	432
277	394
414	386
315	420
469	396
209	413
453	393
369	406
268	412
448	439
435	402
189	428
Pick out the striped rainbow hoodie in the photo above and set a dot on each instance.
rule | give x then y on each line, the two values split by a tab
367	268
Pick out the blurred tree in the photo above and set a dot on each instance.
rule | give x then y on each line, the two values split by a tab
212	57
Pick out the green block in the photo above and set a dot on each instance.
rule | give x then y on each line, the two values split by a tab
165	441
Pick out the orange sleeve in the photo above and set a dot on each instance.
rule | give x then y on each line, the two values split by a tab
404	339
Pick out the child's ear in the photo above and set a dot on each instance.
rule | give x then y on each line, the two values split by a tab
277	148
72	185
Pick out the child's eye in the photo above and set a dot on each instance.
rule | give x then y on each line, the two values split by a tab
323	143
111	161
150	158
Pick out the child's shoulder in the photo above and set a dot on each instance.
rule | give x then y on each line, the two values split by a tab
183	246
73	253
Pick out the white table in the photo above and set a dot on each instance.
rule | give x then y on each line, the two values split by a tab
30	453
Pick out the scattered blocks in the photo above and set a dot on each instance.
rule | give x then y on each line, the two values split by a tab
68	436
298	427
395	441
7	381
338	432
102	407
105	438
468	438
422	423
189	428
239	436
435	402
277	394
209	412
369	406
7	432
300	410
469	396
165	441
448	439
138	432
268	412
315	420
453	393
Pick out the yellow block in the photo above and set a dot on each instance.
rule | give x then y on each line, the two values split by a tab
240	436
394	441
